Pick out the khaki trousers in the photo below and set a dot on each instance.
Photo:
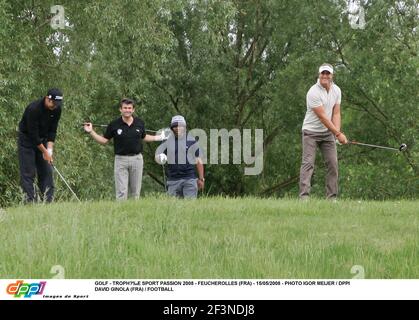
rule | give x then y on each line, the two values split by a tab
326	142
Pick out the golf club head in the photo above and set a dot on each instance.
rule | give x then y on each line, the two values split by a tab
403	147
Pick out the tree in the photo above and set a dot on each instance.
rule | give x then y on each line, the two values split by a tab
222	64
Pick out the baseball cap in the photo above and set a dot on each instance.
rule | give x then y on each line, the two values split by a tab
56	95
178	121
326	68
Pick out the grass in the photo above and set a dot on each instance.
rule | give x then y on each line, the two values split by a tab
158	237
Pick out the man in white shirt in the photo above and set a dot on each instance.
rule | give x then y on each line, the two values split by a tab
321	128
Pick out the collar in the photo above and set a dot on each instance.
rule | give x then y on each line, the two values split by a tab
121	121
183	137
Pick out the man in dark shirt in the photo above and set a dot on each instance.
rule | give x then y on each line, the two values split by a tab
37	132
128	132
183	156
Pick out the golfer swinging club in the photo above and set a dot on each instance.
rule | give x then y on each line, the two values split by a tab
128	132
37	131
321	128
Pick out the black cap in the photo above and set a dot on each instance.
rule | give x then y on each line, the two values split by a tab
56	95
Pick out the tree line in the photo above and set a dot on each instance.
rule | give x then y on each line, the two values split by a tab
221	64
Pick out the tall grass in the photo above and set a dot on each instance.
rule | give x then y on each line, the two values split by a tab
159	237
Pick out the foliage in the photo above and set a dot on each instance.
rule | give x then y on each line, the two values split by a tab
222	64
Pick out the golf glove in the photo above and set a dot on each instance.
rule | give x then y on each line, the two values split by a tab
49	150
161	158
162	136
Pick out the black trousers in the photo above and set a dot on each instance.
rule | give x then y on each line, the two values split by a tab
31	163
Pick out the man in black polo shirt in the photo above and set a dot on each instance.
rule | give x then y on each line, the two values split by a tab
37	131
183	158
128	132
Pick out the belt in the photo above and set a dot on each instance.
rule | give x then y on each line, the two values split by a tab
129	154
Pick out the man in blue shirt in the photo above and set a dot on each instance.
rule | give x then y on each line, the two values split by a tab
183	158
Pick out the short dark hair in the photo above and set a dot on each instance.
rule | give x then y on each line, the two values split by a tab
127	101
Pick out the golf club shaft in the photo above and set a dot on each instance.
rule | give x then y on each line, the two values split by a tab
164	177
68	186
372	145
96	125
105	125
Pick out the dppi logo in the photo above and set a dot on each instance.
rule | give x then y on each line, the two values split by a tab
27	290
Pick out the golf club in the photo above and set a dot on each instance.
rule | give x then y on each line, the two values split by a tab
402	147
165	130
68	186
162	159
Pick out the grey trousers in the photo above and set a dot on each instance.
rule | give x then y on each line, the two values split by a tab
183	188
128	172
326	142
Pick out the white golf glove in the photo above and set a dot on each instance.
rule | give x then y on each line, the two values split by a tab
161	136
161	158
49	150
164	134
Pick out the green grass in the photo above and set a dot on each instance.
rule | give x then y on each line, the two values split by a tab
211	238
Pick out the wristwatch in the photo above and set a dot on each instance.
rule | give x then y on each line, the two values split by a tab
203	179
